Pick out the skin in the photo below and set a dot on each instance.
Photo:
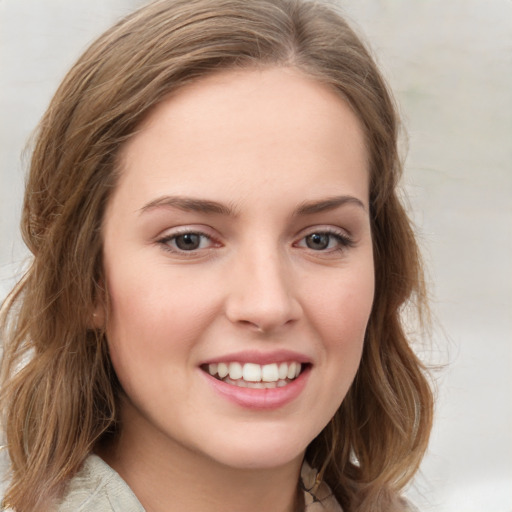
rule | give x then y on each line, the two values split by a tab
262	143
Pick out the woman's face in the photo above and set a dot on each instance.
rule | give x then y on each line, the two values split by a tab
238	240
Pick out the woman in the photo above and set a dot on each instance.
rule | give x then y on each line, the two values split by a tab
212	316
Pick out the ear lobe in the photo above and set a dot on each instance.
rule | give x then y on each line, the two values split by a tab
98	317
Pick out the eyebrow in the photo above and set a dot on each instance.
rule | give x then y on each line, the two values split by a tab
191	204
330	203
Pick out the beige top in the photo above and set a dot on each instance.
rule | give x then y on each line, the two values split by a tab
98	488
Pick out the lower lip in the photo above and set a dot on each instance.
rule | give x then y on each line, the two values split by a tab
260	399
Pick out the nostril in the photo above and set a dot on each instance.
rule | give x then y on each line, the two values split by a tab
253	325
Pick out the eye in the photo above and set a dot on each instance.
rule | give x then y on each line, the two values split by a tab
318	241
325	241
186	242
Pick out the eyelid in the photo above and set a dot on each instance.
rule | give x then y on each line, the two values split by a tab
164	239
345	239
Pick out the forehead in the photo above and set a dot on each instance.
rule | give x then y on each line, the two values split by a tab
237	130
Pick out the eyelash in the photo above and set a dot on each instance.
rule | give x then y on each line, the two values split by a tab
343	241
165	242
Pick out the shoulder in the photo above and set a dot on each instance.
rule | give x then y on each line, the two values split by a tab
98	488
317	495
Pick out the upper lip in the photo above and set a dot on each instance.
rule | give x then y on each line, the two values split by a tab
260	357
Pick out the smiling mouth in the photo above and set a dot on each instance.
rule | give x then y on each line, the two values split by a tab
256	376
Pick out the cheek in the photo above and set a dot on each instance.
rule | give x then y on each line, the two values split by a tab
338	312
343	306
152	298
152	315
340	315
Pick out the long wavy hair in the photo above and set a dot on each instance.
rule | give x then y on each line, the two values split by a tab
59	391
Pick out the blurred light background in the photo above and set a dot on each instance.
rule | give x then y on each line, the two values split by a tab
450	65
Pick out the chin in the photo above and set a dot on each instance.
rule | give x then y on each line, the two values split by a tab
257	459
260	449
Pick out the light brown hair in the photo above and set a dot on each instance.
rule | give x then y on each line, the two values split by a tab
59	390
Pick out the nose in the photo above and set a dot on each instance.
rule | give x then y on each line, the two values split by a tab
262	292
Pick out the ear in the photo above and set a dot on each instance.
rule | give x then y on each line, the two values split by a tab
98	317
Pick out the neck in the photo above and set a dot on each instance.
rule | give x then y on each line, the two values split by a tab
167	476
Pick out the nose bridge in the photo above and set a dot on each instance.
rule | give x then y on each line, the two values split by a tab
262	290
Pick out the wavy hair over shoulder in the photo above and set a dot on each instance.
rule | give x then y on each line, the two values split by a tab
59	390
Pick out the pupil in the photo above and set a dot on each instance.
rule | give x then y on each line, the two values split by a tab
317	241
188	241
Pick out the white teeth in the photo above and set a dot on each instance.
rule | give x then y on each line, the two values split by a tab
269	373
235	371
291	370
256	385
252	372
222	370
